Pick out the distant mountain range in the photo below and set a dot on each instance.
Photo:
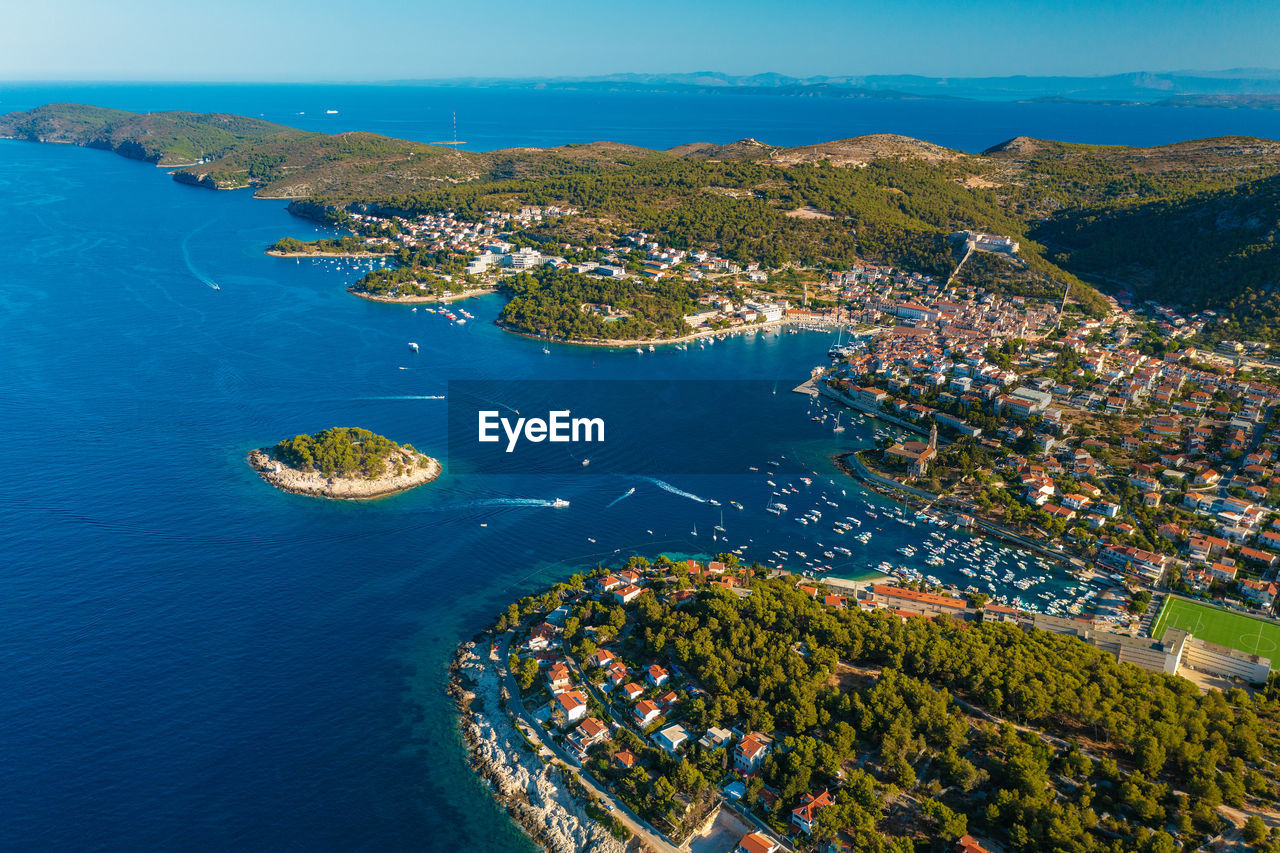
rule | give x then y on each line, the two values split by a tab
1252	88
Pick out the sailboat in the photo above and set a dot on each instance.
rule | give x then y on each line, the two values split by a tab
695	530
720	526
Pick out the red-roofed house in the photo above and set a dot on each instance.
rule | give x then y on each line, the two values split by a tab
558	677
657	676
756	842
803	815
573	705
628	593
646	712
617	673
749	754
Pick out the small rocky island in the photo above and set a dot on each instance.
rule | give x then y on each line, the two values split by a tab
344	463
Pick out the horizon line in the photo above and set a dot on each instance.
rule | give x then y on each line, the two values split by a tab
1240	72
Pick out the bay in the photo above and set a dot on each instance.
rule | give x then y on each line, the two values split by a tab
193	659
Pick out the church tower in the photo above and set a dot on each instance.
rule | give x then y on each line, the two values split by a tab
933	437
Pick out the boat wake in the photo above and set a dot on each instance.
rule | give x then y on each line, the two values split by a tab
406	397
511	502
631	491
667	487
186	258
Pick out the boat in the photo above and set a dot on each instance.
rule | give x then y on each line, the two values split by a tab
650	347
461	322
331	112
413	346
639	350
713	501
586	462
559	502
546	351
735	504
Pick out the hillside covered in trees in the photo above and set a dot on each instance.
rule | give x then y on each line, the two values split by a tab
342	452
926	729
1191	223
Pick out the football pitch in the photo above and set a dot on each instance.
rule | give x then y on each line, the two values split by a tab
1233	630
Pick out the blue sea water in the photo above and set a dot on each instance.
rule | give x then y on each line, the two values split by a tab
192	659
491	118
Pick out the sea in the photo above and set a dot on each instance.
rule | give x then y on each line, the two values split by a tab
191	659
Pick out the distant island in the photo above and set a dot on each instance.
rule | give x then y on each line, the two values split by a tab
344	463
1187	225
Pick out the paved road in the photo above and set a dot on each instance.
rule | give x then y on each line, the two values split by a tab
639	827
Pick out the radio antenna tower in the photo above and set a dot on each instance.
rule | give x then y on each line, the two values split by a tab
453	141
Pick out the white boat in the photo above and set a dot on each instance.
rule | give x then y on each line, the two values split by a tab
650	347
461	321
331	112
586	462
639	350
559	502
413	346
546	351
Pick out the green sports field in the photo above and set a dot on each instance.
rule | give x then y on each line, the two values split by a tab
1233	630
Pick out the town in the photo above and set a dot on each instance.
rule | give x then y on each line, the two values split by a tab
798	734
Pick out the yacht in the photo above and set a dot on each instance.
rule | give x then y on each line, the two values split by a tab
559	502
413	346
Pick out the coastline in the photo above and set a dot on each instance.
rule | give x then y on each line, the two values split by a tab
276	254
418	300
620	343
316	485
534	793
851	466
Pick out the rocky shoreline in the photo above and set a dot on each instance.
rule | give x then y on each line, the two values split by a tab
317	485
535	794
275	254
417	300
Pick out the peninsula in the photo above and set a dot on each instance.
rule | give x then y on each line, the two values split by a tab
682	701
344	463
1187	224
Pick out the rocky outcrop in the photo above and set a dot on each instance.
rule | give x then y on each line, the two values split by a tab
533	793
417	469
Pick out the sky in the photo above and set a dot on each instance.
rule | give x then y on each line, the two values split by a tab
373	40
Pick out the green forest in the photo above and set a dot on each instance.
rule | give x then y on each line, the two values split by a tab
1192	223
340	451
551	302
927	729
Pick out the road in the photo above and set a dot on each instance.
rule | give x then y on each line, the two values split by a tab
637	825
